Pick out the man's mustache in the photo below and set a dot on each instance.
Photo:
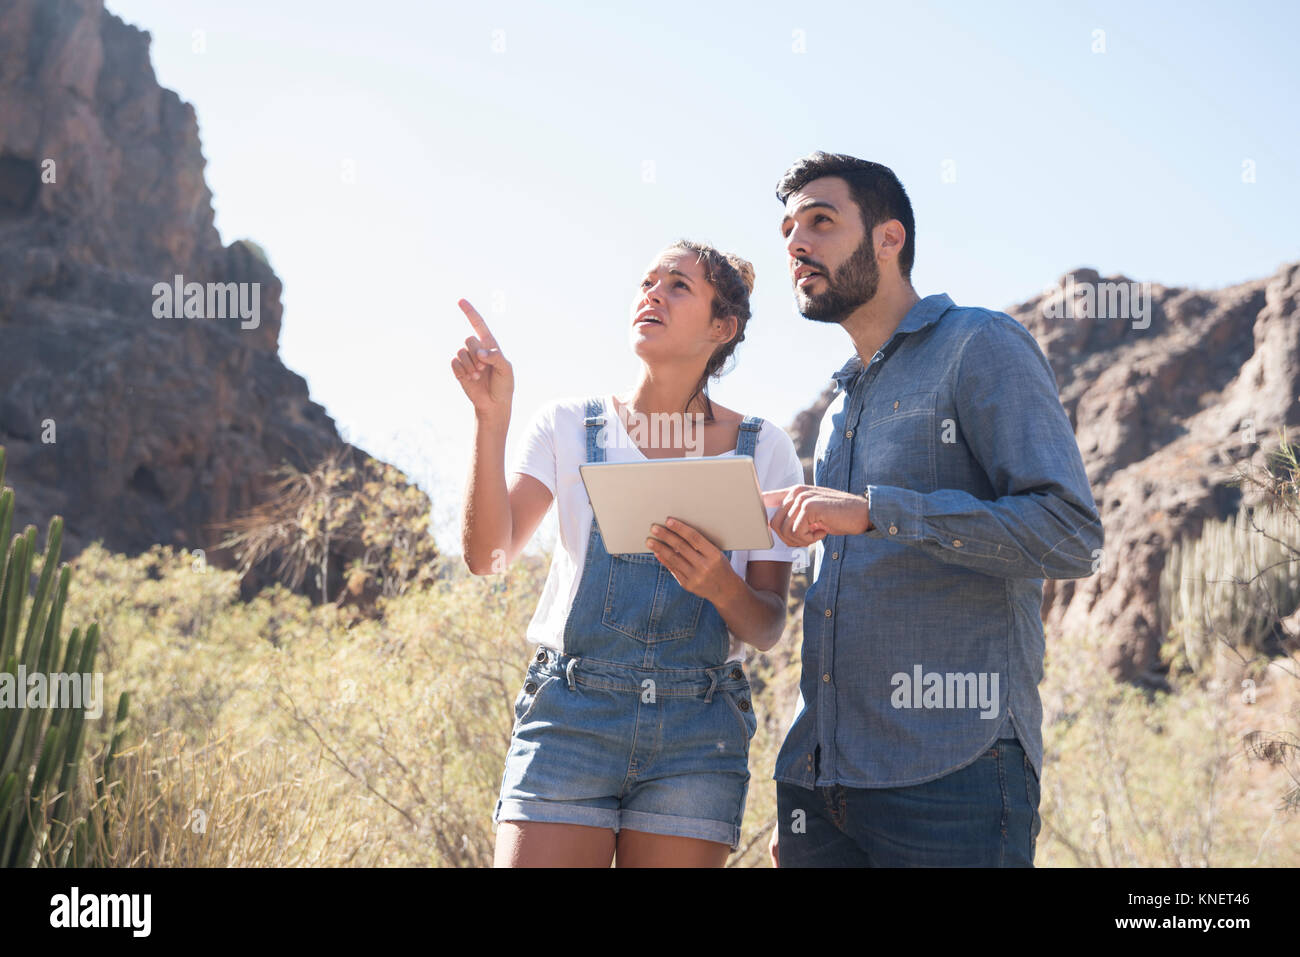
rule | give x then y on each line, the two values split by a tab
801	263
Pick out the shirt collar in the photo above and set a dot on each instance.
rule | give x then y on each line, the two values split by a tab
924	313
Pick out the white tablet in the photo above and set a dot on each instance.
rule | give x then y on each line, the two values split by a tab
717	496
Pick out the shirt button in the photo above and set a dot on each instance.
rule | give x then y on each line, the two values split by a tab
834	555
737	673
848	434
828	612
893	529
956	543
541	656
826	678
744	704
895	403
530	688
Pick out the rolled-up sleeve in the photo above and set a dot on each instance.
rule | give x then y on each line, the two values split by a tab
1043	522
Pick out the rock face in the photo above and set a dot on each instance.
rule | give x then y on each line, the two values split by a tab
137	429
1164	405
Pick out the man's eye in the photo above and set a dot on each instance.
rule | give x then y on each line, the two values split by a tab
682	284
821	216
644	283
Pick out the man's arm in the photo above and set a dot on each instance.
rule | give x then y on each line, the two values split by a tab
1043	522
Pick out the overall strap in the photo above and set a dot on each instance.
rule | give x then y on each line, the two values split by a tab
595	423
749	430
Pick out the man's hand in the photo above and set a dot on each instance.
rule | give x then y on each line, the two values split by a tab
772	846
808	513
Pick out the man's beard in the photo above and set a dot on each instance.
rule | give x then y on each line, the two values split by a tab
853	284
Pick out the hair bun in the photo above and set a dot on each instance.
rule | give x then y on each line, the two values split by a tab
746	270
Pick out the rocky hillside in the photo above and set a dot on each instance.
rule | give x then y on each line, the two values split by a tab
139	415
1164	405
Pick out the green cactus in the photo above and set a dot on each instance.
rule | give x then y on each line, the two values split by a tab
40	747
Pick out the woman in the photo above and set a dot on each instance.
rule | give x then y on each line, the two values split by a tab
632	729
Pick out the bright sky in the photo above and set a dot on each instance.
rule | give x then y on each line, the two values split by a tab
394	156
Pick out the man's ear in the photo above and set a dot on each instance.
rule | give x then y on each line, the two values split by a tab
888	238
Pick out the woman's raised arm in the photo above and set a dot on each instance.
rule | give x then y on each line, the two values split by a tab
496	522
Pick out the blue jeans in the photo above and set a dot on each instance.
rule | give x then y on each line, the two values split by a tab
982	815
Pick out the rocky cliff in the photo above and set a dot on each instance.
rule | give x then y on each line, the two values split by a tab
141	406
1168	390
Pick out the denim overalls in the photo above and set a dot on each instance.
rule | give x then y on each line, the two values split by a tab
641	723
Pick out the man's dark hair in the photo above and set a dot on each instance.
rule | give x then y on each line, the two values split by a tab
875	188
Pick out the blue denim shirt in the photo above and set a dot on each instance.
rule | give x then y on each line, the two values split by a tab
923	636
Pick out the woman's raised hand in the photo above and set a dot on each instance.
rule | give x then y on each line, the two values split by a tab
482	370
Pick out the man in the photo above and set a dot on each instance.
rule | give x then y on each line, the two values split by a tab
948	485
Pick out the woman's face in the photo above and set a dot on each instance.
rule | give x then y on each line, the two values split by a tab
672	315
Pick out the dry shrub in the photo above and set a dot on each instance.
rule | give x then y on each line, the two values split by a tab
1136	778
306	738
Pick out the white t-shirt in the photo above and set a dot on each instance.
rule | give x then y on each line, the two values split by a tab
552	450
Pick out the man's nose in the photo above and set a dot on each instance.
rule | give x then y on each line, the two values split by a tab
796	244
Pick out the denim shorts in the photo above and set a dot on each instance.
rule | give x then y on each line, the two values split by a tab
614	746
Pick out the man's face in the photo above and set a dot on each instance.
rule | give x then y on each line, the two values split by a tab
832	258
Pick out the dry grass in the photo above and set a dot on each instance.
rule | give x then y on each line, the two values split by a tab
275	733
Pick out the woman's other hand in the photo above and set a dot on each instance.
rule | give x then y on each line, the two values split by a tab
483	371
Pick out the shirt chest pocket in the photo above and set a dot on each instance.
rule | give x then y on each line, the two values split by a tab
901	440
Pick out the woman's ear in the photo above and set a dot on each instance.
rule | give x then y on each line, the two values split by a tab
726	328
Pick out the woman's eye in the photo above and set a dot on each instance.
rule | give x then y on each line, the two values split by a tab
682	284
